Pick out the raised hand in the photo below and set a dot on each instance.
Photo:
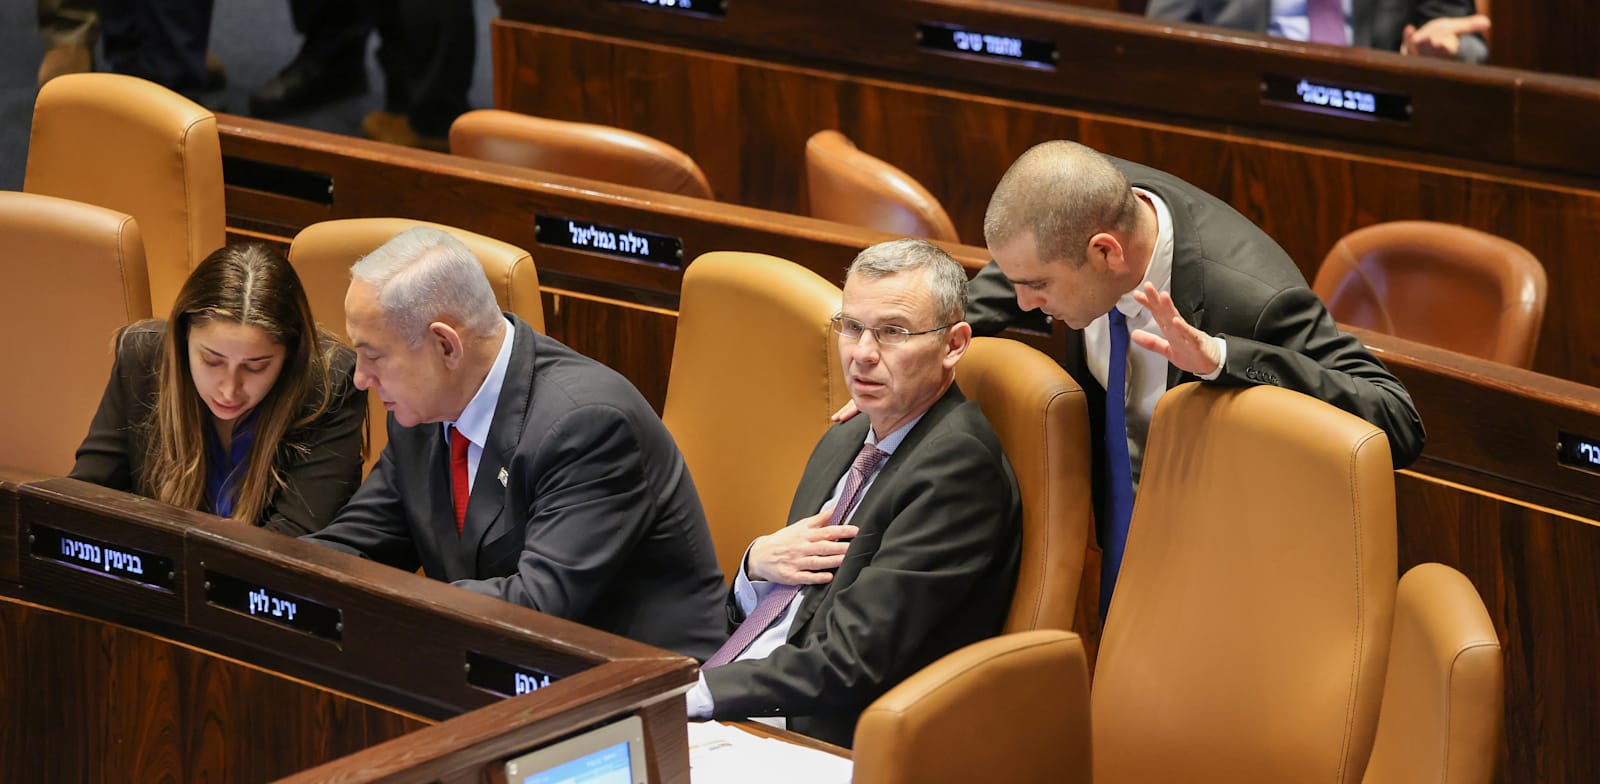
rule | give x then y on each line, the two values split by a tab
1187	348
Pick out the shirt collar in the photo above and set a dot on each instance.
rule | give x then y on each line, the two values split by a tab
479	414
891	442
1159	272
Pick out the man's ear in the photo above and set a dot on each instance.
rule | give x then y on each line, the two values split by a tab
957	338
1107	251
451	350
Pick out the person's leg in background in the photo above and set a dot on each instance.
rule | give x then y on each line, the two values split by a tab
427	58
331	64
69	28
160	40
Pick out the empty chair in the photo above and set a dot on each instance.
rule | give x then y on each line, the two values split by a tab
1040	415
1010	709
323	252
598	152
1444	693
755	375
849	186
1437	283
135	147
74	274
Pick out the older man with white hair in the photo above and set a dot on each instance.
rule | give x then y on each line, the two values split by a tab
517	467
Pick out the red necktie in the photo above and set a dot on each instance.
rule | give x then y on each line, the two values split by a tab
459	489
772	605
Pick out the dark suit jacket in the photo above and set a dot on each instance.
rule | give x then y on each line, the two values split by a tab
1230	279
1375	24
318	478
932	569
582	506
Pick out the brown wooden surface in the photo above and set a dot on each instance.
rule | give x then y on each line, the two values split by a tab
8	531
1550	36
214	682
1538	572
632	339
84	700
746	123
1117	61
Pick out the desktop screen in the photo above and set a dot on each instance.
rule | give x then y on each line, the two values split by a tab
609	765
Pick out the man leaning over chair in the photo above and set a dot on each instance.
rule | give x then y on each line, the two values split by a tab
906	526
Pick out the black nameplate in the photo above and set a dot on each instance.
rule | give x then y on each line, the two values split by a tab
1340	100
274	178
92	555
623	243
274	606
702	7
504	678
963	42
1579	452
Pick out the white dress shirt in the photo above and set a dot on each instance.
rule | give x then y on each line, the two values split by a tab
749	592
476	418
1147	370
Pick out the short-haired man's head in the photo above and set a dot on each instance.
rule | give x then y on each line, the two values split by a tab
1062	194
947	281
424	275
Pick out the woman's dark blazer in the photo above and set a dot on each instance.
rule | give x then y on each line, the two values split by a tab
320	462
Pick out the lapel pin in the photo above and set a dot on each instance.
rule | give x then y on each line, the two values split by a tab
504	477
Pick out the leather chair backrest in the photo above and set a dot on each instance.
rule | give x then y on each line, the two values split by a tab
1043	423
847	185
597	152
1007	709
1444	694
755	374
73	274
1436	283
1249	630
322	254
135	147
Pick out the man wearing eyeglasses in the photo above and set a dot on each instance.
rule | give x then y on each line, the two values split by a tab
907	521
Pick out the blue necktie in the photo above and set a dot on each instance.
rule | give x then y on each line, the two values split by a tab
1119	469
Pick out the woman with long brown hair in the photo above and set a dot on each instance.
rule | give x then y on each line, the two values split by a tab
237	405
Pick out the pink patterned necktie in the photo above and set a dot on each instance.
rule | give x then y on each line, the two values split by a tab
1327	22
772	605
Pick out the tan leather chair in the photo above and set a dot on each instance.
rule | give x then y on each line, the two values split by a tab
598	152
755	374
135	147
75	273
1444	694
1008	709
323	252
1043	423
849	186
1436	283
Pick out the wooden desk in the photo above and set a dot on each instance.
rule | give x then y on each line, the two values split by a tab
127	660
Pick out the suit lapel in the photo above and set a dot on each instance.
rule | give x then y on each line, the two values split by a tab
867	516
440	528
505	430
1188	273
839	450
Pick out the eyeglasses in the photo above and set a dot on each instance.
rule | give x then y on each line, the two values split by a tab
853	329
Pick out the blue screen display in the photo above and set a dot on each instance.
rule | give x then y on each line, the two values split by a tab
606	766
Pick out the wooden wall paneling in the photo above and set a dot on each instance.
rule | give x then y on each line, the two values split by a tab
8	531
1305	197
1538	572
632	340
1554	36
99	702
